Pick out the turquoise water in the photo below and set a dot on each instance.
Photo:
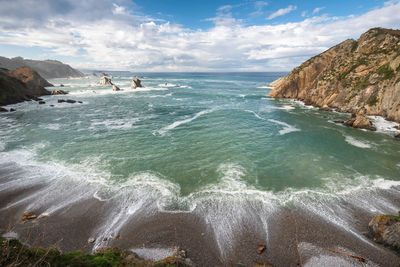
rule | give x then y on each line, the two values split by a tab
188	131
210	143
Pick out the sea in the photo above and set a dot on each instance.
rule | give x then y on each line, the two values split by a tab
213	144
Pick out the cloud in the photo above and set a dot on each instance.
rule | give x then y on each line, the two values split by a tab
128	40
258	6
317	10
282	12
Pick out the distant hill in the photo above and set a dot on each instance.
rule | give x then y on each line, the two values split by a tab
48	69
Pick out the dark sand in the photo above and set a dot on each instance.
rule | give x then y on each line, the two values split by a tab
294	236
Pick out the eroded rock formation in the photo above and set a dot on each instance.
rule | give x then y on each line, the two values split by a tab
353	75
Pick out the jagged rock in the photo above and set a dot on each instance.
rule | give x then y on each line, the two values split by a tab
360	121
70	101
353	75
115	88
51	105
59	92
397	127
61	85
339	121
28	216
397	136
385	229
12	110
60	100
80	102
261	248
136	83
42	102
3	109
104	80
37	98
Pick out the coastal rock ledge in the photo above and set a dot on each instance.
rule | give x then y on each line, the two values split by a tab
351	76
385	229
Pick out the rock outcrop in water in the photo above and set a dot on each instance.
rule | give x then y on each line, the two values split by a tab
353	75
48	69
104	80
136	83
20	85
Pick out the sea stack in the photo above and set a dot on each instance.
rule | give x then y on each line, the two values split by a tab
136	83
354	75
104	80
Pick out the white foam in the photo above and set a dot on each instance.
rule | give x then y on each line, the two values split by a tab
287	127
265	87
383	125
352	141
52	126
168	85
115	124
175	124
286	107
2	145
154	254
255	114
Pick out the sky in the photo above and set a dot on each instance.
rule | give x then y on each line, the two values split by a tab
183	35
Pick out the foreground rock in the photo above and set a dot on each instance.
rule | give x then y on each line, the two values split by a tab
115	88
353	75
21	85
28	216
385	229
136	83
360	121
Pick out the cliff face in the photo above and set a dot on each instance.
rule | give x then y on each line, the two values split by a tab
46	68
351	76
20	85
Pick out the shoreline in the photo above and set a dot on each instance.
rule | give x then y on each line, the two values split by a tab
294	235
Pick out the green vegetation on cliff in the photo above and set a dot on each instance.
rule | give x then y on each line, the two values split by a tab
13	253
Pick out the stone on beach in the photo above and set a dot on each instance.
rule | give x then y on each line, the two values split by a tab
261	248
28	216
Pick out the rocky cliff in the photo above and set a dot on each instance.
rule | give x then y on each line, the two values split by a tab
20	85
48	69
351	76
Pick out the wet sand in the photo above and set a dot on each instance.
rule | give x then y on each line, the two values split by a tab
295	237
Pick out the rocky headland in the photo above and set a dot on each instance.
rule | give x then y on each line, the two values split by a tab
48	69
361	77
20	85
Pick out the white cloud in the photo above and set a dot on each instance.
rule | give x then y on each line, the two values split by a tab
317	10
282	12
136	42
119	10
